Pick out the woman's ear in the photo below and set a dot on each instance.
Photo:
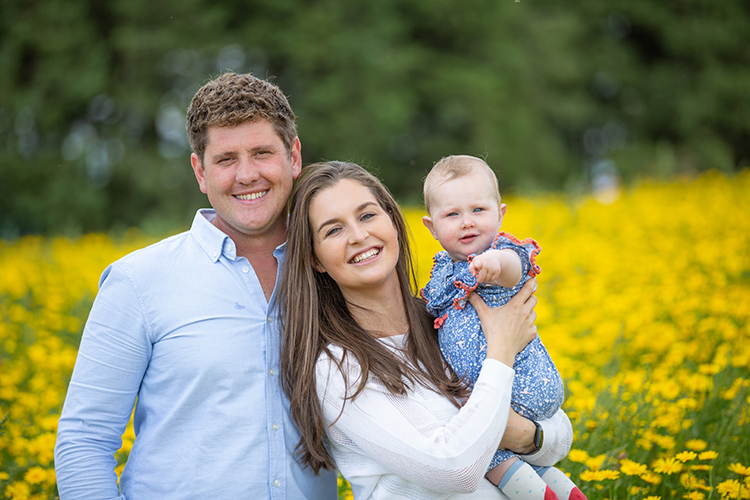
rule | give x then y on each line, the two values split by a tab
316	265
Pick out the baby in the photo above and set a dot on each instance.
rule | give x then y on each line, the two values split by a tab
465	214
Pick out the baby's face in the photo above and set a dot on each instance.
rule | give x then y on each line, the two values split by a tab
465	216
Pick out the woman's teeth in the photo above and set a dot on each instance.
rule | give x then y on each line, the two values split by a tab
366	255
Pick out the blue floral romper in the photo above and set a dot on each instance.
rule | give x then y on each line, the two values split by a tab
537	386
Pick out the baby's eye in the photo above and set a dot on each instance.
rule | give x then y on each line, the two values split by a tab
452	214
478	209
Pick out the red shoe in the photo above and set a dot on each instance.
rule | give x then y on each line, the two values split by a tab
550	495
576	494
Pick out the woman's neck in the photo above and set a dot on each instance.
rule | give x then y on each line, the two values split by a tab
381	312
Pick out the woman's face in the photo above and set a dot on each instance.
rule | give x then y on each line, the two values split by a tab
354	239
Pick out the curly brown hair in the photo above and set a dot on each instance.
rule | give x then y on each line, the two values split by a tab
232	100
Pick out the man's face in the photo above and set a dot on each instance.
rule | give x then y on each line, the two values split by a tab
248	174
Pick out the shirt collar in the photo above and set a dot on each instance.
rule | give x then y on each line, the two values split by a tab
213	240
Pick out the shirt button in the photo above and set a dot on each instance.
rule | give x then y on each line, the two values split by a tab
245	269
275	427
271	372
268	319
277	483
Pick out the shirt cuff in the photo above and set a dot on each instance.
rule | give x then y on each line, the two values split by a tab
496	370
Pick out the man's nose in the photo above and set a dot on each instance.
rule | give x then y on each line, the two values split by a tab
247	171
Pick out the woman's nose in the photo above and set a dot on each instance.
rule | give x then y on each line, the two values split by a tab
357	234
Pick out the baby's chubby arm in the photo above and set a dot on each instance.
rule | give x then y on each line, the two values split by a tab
497	267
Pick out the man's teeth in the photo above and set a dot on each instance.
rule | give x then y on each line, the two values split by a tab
251	196
366	255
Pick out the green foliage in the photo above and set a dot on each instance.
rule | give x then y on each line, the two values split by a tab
93	94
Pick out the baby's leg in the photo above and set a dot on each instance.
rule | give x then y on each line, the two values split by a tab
564	488
519	481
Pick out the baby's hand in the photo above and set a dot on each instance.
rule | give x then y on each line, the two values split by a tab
487	267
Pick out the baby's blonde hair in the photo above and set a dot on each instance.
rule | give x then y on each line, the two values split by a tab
453	167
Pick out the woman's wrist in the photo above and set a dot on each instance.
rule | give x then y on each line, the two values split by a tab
519	434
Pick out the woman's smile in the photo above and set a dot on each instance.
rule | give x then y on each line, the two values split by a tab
367	255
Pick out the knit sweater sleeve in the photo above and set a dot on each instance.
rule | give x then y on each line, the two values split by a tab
417	436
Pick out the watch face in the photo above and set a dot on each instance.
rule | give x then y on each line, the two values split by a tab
538	436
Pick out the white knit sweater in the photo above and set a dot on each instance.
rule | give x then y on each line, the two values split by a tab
420	446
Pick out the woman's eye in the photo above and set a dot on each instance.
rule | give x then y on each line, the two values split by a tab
367	216
332	231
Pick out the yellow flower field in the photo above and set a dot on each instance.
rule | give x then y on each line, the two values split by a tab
644	304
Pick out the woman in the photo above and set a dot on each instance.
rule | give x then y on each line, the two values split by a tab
368	388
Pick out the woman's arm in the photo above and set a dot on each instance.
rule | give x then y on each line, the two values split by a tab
520	431
420	436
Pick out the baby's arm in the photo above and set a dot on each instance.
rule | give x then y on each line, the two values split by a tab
497	267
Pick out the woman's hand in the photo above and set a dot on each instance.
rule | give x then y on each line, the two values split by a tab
510	327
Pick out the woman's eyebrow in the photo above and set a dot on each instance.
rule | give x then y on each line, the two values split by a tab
335	219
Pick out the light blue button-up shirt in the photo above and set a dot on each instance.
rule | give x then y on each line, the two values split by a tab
183	327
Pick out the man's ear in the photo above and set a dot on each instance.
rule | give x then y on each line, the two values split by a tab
200	174
296	157
427	221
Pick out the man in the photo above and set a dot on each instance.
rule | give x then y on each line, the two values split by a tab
187	327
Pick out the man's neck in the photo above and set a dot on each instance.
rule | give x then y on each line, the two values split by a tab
258	250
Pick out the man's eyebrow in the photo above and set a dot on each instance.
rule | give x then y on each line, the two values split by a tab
224	154
335	219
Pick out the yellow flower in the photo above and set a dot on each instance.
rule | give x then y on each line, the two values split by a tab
708	455
652	497
729	489
18	490
739	469
696	445
667	466
595	463
694	495
651	478
579	456
35	475
631	468
686	456
599	475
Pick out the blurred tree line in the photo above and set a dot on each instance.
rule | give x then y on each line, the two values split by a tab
554	95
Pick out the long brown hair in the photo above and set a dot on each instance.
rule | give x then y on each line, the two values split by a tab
315	315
